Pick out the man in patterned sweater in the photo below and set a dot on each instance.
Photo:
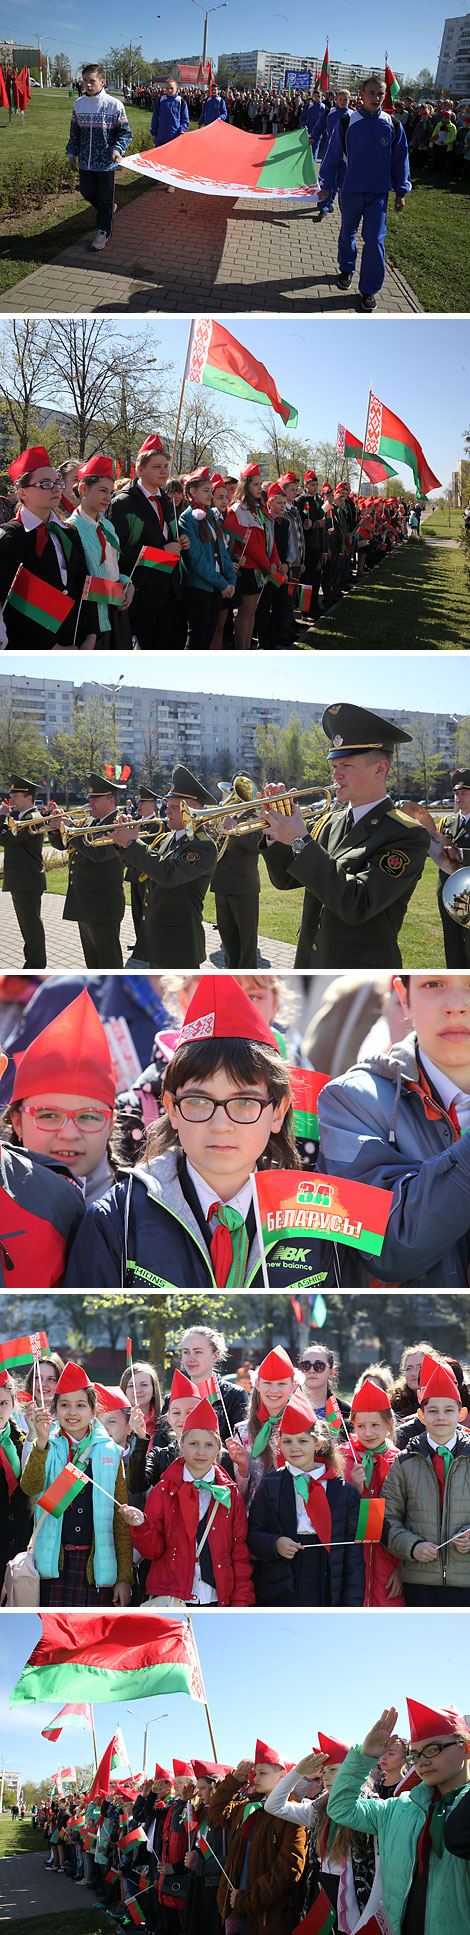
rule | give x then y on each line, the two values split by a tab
99	135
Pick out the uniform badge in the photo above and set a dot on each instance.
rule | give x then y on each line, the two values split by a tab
337	741
394	861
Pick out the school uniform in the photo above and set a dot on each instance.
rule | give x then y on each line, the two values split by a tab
314	1576
51	552
177	1515
142	517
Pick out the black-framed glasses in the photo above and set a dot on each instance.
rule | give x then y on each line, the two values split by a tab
239	1108
435	1747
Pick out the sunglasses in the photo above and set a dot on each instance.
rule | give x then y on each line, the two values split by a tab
314	1364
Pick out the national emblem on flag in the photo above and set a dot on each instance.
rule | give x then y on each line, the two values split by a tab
22	1352
340	440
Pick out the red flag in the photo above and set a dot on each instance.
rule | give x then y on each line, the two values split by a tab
103	1773
16	102
3	91
320	1919
8	84
392	88
210	77
325	73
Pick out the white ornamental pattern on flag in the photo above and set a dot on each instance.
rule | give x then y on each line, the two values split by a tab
374	427
199	348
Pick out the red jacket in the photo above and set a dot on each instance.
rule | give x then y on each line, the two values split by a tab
379	1563
174	1848
256	557
168	1538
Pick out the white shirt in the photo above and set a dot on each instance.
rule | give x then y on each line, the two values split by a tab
31	523
111	556
448	1093
207	1195
151	495
359	812
205	1595
446	1447
304	1523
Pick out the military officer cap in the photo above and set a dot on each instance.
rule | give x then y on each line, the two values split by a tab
99	783
353	730
145	792
19	785
187	786
461	776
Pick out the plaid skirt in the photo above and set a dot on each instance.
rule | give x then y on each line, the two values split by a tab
72	1587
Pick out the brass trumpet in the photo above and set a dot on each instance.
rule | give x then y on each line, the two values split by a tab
280	803
456	896
94	835
33	825
208	820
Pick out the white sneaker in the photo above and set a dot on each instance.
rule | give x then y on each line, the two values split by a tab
100	239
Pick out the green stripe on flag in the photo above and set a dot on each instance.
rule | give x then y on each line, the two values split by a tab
289	166
98	1683
30	611
235	386
306	1124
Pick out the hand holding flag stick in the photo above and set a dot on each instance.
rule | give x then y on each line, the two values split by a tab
130	1367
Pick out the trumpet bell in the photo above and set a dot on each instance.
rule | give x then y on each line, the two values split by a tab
456	896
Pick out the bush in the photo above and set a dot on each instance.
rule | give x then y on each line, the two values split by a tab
28	184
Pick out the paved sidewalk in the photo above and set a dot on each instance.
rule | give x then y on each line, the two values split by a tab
27	1889
64	946
175	252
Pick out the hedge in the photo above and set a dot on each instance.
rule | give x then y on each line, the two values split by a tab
28	184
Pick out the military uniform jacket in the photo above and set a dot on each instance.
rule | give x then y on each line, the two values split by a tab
17	547
95	891
23	868
358	886
238	870
178	876
137	523
453	835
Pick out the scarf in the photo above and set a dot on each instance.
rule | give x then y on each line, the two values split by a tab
316	1505
369	1459
221	1493
229	1245
433	1830
9	1460
266	1422
78	1454
249	1809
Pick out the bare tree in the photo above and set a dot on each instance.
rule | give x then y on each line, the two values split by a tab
24	346
22	746
88	362
204	436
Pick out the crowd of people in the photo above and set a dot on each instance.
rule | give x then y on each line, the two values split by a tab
282	1494
374	1836
248	563
101	1194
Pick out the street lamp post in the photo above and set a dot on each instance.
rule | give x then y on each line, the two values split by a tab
206	11
155	1722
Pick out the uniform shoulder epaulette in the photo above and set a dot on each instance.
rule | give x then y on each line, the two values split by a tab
405	819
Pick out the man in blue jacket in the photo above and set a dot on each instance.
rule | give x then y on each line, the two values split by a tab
313	118
170	116
366	157
214	109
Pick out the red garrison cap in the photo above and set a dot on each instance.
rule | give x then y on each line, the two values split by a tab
97	467
182	1387
426	1721
276	1365
70	1055
151	443
72	1378
220	1010
370	1397
203	1418
298	1415
35	458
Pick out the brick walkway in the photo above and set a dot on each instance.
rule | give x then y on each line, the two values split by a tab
174	252
64	946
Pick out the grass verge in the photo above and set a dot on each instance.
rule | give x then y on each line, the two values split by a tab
416	600
429	241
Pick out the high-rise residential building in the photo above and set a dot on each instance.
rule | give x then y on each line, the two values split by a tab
453	67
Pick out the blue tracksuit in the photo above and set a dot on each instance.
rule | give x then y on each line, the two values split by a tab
366	157
170	117
214	110
313	118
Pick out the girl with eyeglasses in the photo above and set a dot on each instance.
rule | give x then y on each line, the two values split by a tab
185	1219
63	1097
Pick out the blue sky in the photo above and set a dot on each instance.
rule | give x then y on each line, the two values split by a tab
419	368
413	35
281	676
335	1671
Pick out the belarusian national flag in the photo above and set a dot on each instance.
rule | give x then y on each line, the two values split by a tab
120	1763
371	1518
69	1716
388	436
39	601
103	591
21	1351
321	1917
132	1839
327	1206
101	1658
112	1757
209	1388
333	1417
378	1923
325	73
305	1085
112	1875
392	88
305	597
158	560
129	1354
374	468
224	160
220	362
134	1912
203	1846
63	1490
68	1773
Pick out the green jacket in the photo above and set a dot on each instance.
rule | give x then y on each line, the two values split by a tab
358	885
398	1824
23	867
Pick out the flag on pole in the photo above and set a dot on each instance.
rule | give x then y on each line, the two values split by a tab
392	88
320	1918
318	1317
101	1658
3	92
370	1519
70	1716
111	1758
103	591
69	1773
157	560
133	1911
38	600
329	1207
132	1839
129	1354
23	1351
120	1763
58	1496
41	82
305	1085
218	361
325	72
333	1417
388	436
374	467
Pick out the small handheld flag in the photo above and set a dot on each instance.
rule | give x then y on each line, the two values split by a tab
371	1516
157	560
290	1201
103	591
305	1086
21	1352
63	1490
320	1919
37	600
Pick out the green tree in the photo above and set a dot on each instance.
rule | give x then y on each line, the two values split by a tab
22	745
127	62
60	70
424	766
73	755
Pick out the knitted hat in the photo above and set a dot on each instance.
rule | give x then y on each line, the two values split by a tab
220	1010
70	1055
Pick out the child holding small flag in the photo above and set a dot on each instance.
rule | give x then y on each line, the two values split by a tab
83	1555
194	1526
173	1881
153	1451
42	559
100	543
14	1512
341	1863
209	575
367	1458
303	1522
205	1858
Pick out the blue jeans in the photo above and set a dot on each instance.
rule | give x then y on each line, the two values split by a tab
97	187
373	209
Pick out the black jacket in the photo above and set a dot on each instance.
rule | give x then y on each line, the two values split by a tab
23	867
137	523
273	1516
238	870
17	547
177	878
15	1515
95	889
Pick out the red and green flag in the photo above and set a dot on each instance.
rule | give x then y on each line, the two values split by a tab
209	1388
333	1417
3	91
317	81
63	1490
134	1912
387	436
132	1839
392	88
98	1657
129	1354
325	72
374	468
305	598
157	560
318	1314
320	1918
377	1924
338	1211
218	361
114	1761
305	1085
224	160
370	1520
103	591
21	1352
39	601
112	1875
70	1716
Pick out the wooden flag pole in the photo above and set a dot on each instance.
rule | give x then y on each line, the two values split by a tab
365	441
180	405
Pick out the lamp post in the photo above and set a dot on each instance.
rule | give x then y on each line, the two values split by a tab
155	1722
206	11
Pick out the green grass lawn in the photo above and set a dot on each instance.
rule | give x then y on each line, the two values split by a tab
18	1837
47	128
443	525
429	242
30	241
416	600
279	915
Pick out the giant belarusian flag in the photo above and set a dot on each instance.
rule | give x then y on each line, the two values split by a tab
373	467
70	1716
335	1210
222	160
387	436
220	362
103	1658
